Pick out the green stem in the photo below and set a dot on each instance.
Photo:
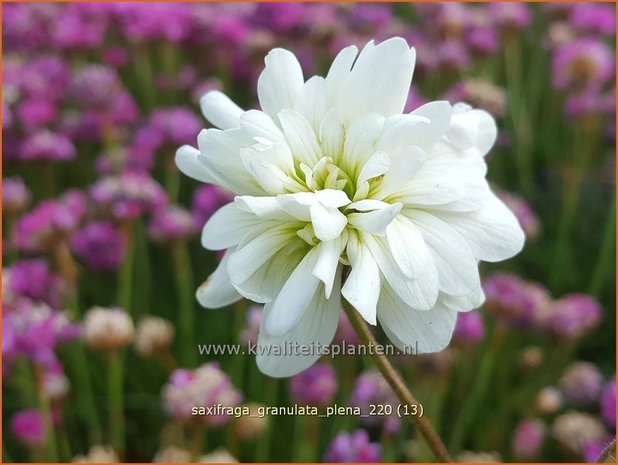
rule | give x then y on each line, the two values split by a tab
125	273
478	389
605	261
518	113
185	289
51	448
271	391
393	378
116	401
197	441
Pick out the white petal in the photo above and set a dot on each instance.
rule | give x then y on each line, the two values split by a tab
379	81
463	303
325	268
420	293
269	177
413	331
262	207
360	142
316	328
376	221
402	131
332	198
220	110
405	164
188	161
409	248
300	137
448	182
217	291
378	164
456	264
265	284
366	205
221	154
472	129
493	233
258	124
294	298
328	222
312	101
280	82
250	256
339	71
332	136
362	286
439	115
297	204
226	227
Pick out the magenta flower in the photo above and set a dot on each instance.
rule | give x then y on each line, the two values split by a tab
371	388
15	195
129	194
28	427
583	63
207	199
510	15
528	439
47	145
608	403
51	220
35	330
574	316
582	383
33	280
469	328
354	447
100	245
172	223
206	386
317	385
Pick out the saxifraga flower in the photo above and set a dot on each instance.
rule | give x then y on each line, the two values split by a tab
340	194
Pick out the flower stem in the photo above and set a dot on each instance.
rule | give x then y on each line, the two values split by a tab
116	402
397	385
606	257
125	273
184	288
51	447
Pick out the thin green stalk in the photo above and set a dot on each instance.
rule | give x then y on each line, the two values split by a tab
125	273
51	447
606	260
144	76
270	393
393	378
478	389
197	441
116	401
185	289
518	113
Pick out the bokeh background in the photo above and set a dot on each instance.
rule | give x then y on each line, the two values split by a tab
101	254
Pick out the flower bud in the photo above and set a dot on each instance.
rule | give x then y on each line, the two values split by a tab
530	358
548	401
107	328
576	429
153	335
98	454
251	426
172	454
582	383
218	456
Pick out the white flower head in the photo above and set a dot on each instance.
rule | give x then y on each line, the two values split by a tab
339	194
